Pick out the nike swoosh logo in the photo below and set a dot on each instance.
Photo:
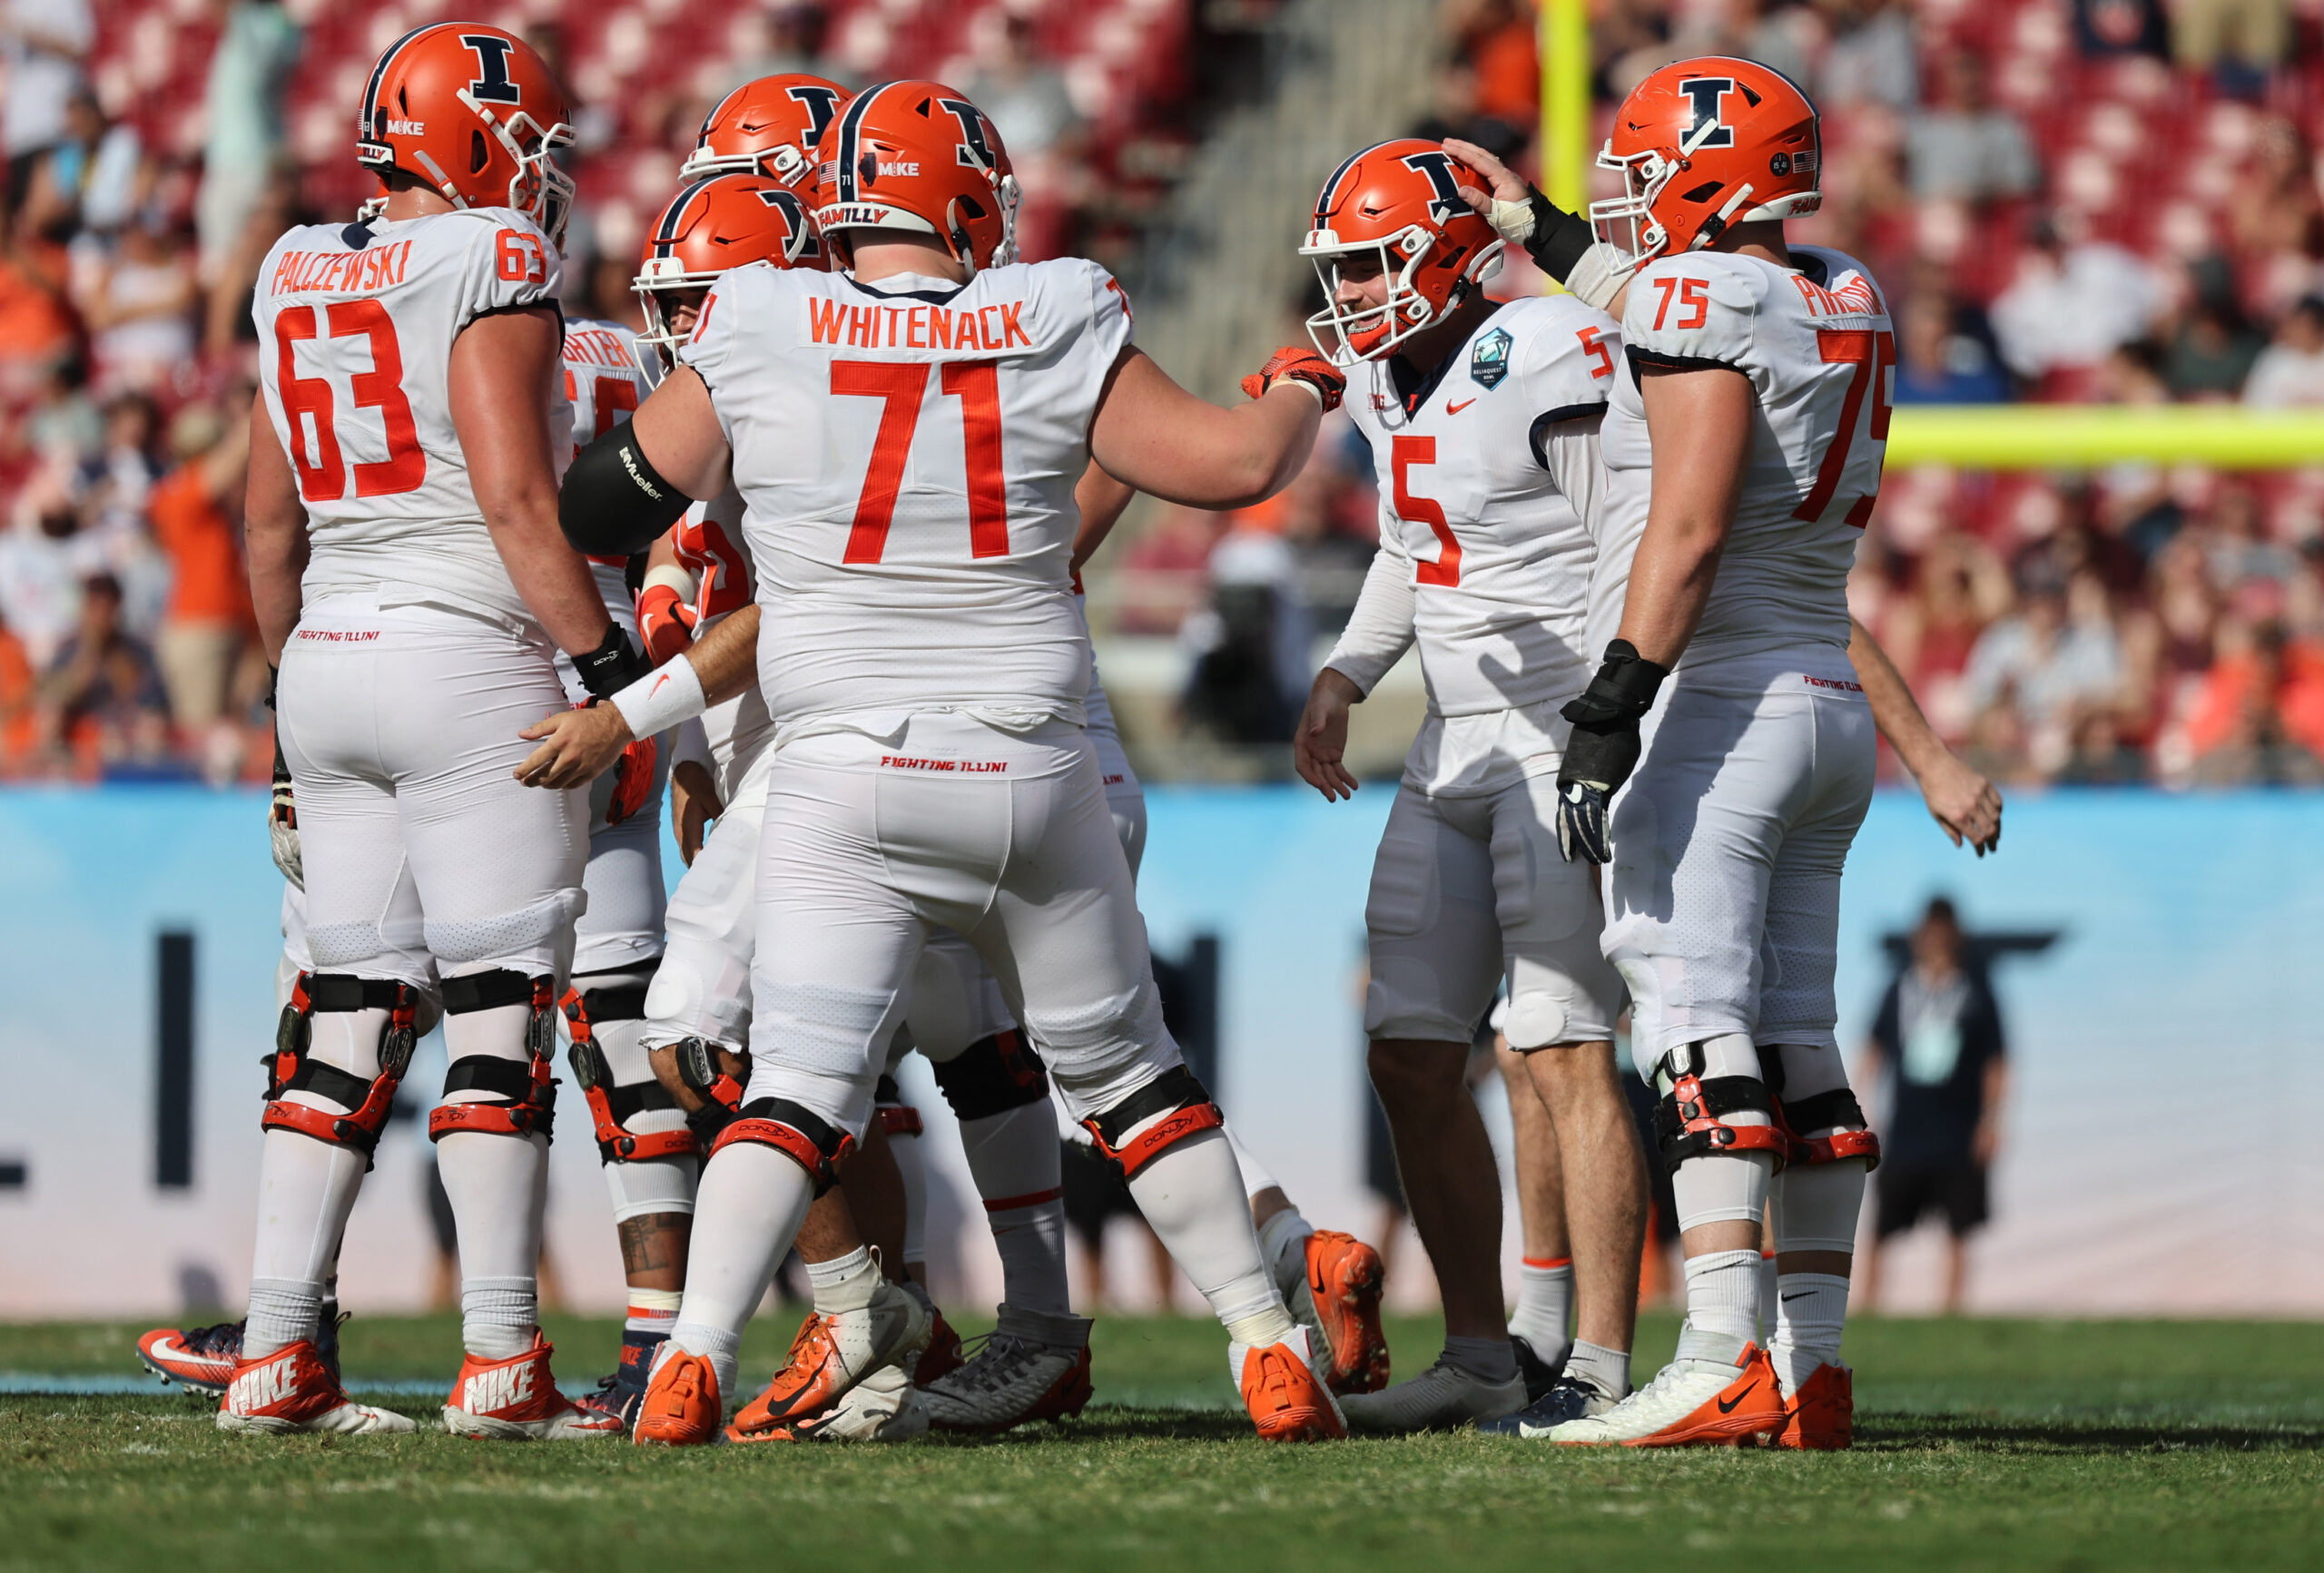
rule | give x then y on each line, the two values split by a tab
658	686
1457	408
1801	1295
1727	1405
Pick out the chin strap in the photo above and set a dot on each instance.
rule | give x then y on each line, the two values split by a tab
292	1068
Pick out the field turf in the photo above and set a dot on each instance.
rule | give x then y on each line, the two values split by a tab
1981	1444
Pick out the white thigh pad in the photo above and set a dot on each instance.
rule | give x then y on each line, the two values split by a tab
518	940
839	1032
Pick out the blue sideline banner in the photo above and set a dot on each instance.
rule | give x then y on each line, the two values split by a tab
2165	1053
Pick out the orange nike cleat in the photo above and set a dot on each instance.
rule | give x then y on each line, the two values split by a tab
681	1408
516	1400
1693	1402
1821	1416
832	1354
1287	1399
293	1390
1343	1279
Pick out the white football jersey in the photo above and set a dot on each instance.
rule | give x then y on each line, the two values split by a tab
907	454
1486	475
711	546
604	382
355	325
1815	341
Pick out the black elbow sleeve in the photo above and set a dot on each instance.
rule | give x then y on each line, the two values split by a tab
613	501
1559	238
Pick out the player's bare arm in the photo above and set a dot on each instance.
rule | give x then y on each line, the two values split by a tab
576	746
502	372
1562	244
1102	500
275	536
1705	419
1153	435
1965	806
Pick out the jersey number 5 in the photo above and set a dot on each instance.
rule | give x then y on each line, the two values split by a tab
902	385
323	478
1403	452
1874	355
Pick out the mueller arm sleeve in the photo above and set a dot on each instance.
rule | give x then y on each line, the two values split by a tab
613	501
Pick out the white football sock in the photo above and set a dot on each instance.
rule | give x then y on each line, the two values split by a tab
499	1188
1013	1158
643	1187
1723	1295
1607	1370
1544	1311
652	1312
1192	1196
1810	1314
844	1284
1283	1246
306	1189
752	1202
911	1166
498	1316
1255	1177
1815	1206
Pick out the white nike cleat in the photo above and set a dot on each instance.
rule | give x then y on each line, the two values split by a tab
1691	1402
831	1354
1440	1398
884	1407
292	1390
1033	1366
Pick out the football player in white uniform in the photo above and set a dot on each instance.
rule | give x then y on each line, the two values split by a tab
1743	448
1482	420
641	1134
906	435
408	577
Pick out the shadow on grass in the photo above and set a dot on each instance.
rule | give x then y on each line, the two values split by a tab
1900	1433
1107	1423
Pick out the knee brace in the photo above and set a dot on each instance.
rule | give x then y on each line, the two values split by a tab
1689	1120
896	1117
1836	1112
721	1095
796	1132
1175	1094
993	1076
612	1105
527	1088
291	1069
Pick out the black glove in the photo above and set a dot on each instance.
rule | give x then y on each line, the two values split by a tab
613	666
1603	749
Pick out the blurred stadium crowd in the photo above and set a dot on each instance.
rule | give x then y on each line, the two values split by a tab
2109	201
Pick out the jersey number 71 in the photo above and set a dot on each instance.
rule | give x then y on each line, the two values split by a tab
903	384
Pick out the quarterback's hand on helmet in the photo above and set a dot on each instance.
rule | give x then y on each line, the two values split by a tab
633	780
576	746
283	821
1508	206
1304	367
1603	749
1321	743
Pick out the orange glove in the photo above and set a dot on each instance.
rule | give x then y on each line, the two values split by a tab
1299	365
633	781
664	622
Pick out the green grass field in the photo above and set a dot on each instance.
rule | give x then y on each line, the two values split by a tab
1980	1444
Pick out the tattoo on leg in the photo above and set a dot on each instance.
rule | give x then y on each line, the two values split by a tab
653	1243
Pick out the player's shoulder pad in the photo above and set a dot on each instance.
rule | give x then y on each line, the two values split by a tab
1566	349
1701	306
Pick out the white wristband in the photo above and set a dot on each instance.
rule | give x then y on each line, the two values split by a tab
663	698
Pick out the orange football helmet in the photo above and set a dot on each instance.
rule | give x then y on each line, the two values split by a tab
768	127
471	111
713	225
917	155
1744	138
1400	202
